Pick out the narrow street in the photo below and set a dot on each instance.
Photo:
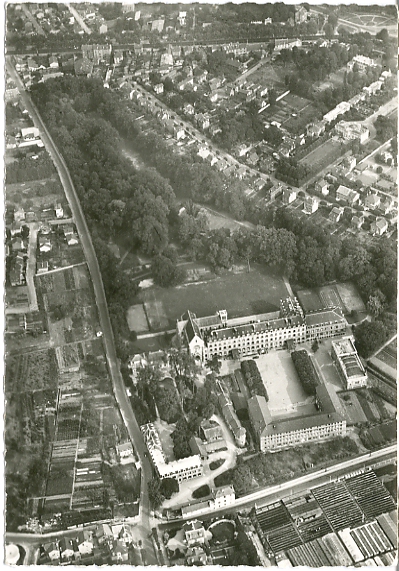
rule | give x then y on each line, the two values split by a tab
31	266
119	390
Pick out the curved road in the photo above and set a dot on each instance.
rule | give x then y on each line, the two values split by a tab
121	397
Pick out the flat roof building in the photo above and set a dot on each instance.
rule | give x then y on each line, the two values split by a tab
348	363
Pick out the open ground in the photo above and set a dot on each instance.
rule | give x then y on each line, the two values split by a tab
240	294
286	395
323	155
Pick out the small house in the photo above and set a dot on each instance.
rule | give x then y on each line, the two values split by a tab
310	204
336	214
322	187
379	226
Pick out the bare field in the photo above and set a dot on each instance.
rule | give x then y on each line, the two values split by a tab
137	319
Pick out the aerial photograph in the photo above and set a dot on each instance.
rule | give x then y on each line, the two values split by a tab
200	249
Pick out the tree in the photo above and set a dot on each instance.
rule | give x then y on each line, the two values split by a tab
169	486
183	363
155	495
214	364
369	337
165	272
376	303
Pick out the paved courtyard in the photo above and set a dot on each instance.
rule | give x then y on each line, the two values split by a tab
282	384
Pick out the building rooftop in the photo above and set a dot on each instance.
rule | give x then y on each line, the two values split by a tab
322	317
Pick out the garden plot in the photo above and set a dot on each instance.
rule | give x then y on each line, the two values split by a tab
32	372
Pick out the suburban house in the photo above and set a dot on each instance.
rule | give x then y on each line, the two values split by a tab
223	496
66	548
372	201
178	132
70	236
386	205
85	542
202	120
347	195
125	453
211	431
15	228
158	88
322	187
275	191
243	149
194	533
52	551
289	195
379	226
42	267
59	211
362	63
18	244
316	129
196	556
45	244
19	215
188	109
357	221
352	131
336	214
310	204
340	109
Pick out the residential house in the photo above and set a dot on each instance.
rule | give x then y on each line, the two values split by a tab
241	173
363	63
203	120
301	14
215	83
347	195
52	551
211	431
348	164
372	201
119	552
379	226
340	109
243	149
70	236
352	131
357	221
29	133
316	129
83	67
322	187
66	548
19	215
223	496
125	453
186	83
53	62
15	228
289	195
253	158
310	204
214	129
275	191
158	88
85	542
196	556
103	533
188	109
45	244
287	44
386	205
212	159
42	267
17	245
182	18
203	151
194	533
178	132
58	210
373	87
336	214
157	25
200	75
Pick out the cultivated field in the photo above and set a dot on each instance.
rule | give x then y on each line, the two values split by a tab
240	294
323	155
35	193
282	385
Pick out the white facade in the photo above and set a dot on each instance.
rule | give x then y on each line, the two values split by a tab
348	363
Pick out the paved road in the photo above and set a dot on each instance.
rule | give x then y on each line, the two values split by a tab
113	364
39	30
313	479
79	19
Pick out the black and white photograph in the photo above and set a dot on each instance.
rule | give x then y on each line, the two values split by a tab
200	216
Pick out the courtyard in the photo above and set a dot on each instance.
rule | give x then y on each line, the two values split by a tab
286	394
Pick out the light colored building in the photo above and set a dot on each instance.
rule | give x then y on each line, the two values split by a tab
183	469
379	226
340	109
316	129
223	496
372	201
230	416
347	195
346	359
276	434
194	533
287	44
322	187
362	62
205	337
289	195
158	88
352	131
310	204
336	214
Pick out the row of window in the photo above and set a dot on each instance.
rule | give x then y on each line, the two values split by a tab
303	435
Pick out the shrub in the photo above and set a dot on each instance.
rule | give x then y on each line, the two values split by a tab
306	371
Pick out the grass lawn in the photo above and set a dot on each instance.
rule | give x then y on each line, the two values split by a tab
240	294
323	155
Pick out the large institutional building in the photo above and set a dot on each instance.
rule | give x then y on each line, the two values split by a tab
184	469
205	337
271	434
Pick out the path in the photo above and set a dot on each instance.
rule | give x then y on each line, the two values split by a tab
31	266
385	344
32	19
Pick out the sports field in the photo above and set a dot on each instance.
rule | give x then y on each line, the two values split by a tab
258	291
136	319
343	295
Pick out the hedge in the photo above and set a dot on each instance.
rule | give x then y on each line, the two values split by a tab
253	379
306	371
